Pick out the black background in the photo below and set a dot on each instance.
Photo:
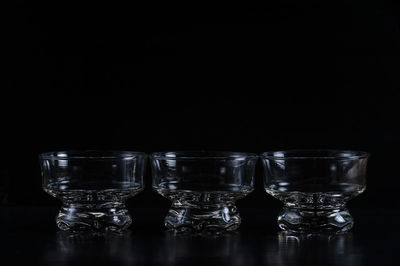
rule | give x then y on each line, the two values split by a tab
291	74
286	75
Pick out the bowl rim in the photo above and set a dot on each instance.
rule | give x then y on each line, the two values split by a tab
202	154
299	154
90	154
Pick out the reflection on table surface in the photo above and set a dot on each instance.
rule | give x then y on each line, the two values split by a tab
233	249
29	235
317	248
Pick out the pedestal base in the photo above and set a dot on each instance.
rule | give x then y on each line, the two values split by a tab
93	218
202	218
318	221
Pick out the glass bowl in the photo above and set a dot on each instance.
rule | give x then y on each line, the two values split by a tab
314	186
203	187
93	187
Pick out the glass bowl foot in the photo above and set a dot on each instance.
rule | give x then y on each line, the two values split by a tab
317	221
93	218
202	218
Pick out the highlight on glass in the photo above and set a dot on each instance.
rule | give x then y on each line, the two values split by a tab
93	187
314	186
203	187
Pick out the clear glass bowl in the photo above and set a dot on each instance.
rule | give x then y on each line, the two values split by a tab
93	187
203	187
314	186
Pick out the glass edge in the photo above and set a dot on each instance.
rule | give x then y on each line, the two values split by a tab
358	154
240	155
130	155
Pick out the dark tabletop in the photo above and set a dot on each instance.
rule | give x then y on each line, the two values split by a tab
29	236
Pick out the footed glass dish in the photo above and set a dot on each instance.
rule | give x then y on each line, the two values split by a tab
93	187
203	188
314	186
